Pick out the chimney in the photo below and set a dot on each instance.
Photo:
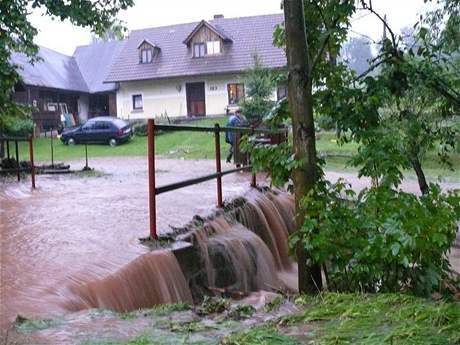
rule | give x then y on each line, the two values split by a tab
218	16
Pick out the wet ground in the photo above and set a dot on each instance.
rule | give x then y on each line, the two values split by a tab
75	228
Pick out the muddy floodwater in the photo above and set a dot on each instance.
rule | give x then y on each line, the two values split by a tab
73	229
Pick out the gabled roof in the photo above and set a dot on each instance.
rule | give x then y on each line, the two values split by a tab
148	42
56	70
249	35
85	71
203	23
94	61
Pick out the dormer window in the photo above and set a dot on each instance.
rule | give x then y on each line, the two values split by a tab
199	50
213	47
147	51
146	55
206	39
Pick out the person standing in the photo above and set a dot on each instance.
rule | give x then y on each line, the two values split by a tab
236	120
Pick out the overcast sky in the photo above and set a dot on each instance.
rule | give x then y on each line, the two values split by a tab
64	37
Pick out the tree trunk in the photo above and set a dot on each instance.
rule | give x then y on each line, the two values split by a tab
423	185
301	108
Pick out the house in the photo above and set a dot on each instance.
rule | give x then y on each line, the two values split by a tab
192	69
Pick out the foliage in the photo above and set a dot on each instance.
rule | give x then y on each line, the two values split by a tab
17	36
264	335
367	319
22	126
385	240
260	84
241	311
211	305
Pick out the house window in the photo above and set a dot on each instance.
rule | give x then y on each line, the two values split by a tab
199	50
146	55
281	92
137	102
213	47
235	93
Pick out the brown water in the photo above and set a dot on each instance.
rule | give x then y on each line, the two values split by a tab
151	279
73	230
246	249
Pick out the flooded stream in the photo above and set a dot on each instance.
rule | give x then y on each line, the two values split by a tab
74	229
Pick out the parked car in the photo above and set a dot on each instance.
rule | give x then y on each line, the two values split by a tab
102	129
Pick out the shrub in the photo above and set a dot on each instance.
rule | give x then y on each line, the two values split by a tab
386	240
21	127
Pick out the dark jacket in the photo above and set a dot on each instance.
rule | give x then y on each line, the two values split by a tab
234	121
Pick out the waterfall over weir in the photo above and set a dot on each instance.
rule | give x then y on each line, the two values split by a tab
244	249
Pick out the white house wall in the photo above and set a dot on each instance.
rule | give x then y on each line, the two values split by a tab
160	96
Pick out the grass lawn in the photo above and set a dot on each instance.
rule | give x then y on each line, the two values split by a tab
361	319
194	145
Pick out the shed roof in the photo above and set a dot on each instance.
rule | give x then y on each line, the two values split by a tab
56	71
94	61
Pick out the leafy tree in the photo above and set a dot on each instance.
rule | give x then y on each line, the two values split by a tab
260	84
313	32
116	32
395	115
17	34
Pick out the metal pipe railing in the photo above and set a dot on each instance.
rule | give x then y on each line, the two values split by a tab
217	130
6	141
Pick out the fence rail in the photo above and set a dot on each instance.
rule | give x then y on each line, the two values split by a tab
5	141
217	130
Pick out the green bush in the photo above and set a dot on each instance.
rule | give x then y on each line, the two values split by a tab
384	241
21	127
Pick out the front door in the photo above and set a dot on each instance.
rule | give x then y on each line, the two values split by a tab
196	105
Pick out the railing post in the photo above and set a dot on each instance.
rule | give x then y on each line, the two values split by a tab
18	167
52	149
152	184
8	149
218	165
32	166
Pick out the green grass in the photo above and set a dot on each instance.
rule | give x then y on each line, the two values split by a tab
188	145
195	145
381	319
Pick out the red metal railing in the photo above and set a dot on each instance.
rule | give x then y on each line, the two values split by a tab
217	130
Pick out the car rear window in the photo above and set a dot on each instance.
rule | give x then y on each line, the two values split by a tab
119	123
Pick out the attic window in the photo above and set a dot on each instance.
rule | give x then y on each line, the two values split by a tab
146	55
213	47
199	50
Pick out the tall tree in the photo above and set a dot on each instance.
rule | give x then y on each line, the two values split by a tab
303	127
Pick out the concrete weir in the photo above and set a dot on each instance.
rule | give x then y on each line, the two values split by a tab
239	249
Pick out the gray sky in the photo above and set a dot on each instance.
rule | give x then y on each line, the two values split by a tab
64	37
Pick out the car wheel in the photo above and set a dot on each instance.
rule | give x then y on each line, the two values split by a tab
113	142
71	141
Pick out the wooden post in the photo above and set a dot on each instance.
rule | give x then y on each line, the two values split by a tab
52	149
218	164
253	180
32	166
18	168
8	149
152	182
86	157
